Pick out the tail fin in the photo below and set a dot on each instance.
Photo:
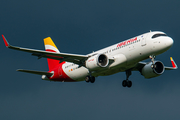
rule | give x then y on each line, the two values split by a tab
51	47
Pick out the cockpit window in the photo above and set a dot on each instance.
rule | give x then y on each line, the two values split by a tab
158	35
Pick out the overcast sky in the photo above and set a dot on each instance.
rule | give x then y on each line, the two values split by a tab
80	27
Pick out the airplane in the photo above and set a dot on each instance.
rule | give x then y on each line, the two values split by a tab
125	56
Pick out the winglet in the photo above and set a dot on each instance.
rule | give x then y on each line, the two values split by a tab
173	63
5	41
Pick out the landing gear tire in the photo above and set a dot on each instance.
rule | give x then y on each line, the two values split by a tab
153	66
87	79
90	79
152	57
124	83
127	83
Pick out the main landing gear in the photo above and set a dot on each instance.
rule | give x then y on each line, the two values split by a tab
127	83
90	79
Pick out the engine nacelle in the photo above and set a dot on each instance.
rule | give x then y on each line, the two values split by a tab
97	61
149	72
119	59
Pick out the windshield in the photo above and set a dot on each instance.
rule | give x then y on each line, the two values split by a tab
158	35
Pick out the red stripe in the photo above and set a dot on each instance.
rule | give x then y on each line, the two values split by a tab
60	75
51	62
6	43
173	64
49	50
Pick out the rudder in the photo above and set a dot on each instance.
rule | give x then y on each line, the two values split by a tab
51	47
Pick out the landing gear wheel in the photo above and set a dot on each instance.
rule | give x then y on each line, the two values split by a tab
87	79
127	83
92	80
153	66
124	83
152	57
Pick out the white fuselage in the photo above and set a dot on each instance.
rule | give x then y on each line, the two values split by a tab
125	54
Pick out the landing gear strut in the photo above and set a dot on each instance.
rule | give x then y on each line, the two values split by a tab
90	79
152	57
127	82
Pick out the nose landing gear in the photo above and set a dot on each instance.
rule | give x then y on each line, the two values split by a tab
152	57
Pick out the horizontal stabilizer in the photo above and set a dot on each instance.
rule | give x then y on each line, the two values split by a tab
35	72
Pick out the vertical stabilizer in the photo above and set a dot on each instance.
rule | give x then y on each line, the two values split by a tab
51	47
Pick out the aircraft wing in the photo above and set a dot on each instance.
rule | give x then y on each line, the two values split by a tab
140	65
75	58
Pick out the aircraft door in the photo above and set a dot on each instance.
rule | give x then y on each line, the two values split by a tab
60	71
143	40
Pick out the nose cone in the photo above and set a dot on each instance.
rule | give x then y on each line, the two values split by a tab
169	42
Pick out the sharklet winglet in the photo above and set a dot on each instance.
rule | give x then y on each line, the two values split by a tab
5	41
173	63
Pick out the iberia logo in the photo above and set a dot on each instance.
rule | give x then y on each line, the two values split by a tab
127	42
91	60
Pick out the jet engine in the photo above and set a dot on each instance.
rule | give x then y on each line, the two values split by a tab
97	61
150	70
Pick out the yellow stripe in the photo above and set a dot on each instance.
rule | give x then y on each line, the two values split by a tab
171	58
48	41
